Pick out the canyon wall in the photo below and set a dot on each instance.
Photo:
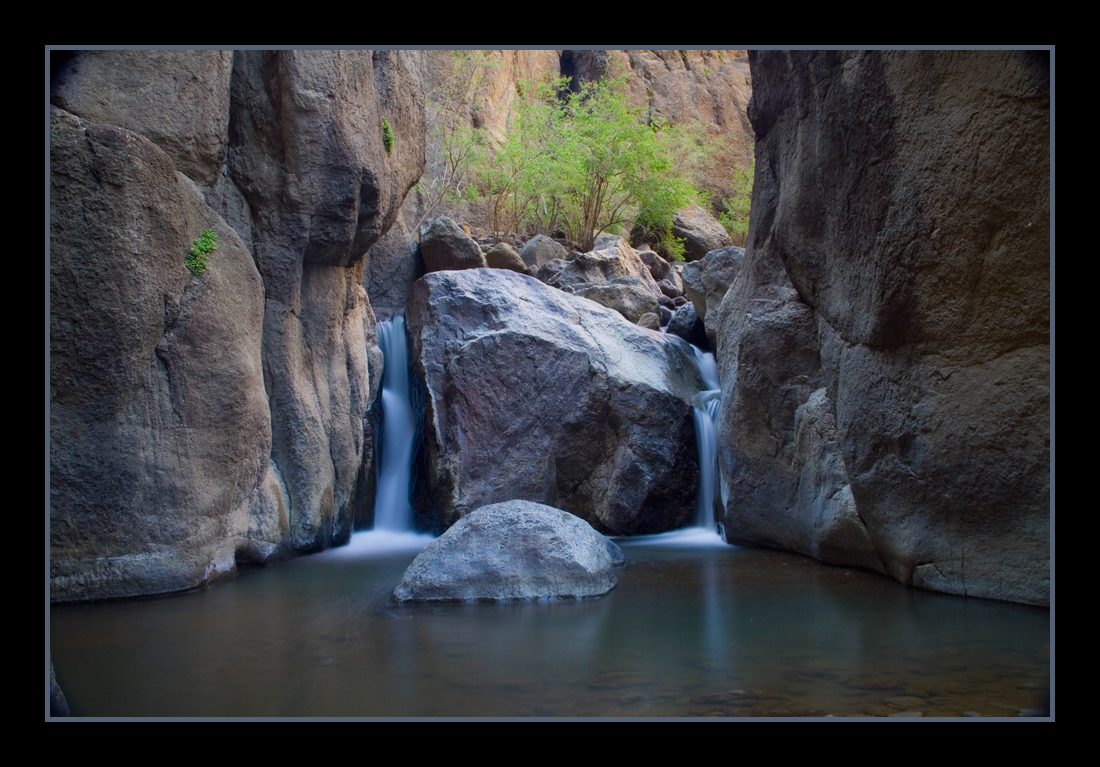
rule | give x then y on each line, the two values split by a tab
198	419
885	350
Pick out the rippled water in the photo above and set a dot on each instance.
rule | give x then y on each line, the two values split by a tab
694	628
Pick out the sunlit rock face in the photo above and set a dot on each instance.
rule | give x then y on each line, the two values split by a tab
900	233
532	393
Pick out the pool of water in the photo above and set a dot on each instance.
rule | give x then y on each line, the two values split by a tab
694	628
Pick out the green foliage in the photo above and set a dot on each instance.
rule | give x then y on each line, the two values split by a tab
738	206
585	162
387	135
196	260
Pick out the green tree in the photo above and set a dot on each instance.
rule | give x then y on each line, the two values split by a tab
587	161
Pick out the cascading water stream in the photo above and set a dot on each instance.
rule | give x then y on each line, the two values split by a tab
706	404
392	509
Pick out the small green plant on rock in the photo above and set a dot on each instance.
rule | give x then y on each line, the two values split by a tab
387	135
196	260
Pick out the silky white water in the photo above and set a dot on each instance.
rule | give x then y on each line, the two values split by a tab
392	508
706	404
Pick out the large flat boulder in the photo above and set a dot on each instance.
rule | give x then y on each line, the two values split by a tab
513	550
532	393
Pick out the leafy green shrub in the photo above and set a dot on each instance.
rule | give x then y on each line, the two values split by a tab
196	260
738	206
387	135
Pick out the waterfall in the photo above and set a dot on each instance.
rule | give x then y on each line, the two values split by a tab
392	509
706	404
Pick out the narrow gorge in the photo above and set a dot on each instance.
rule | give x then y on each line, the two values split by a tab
864	381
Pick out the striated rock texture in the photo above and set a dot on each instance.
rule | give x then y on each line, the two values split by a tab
531	393
899	256
513	550
159	423
199	419
307	154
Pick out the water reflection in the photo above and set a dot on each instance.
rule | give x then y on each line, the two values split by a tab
693	629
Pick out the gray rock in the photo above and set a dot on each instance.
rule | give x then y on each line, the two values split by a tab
700	231
549	272
159	422
604	265
394	263
707	280
629	296
672	285
504	256
930	296
513	550
541	250
612	436
179	100
650	321
686	324
658	267
445	246
782	479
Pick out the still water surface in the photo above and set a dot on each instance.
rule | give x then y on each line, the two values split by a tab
694	628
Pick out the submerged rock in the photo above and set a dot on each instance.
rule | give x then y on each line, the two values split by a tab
513	550
529	392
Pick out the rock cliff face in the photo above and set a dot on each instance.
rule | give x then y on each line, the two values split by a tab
199	418
906	427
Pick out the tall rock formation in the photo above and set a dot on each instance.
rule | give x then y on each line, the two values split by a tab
196	419
899	256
